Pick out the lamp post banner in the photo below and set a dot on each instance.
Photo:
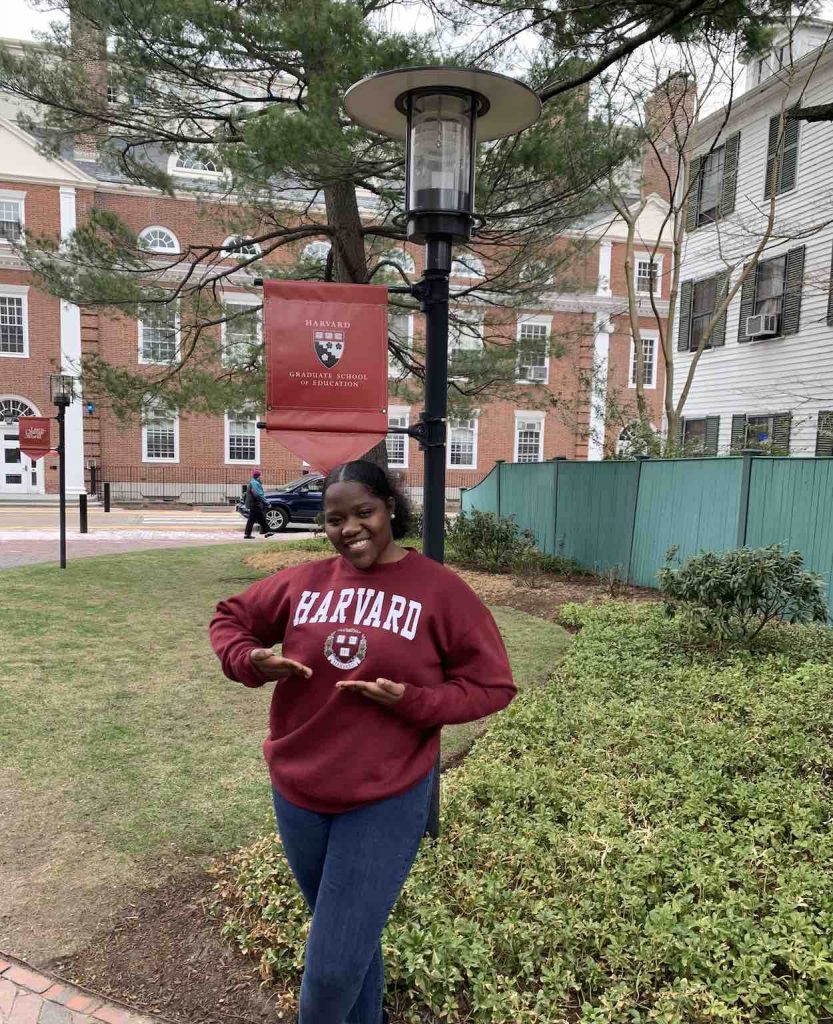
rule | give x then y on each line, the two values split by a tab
34	436
326	368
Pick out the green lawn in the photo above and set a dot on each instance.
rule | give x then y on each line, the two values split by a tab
126	752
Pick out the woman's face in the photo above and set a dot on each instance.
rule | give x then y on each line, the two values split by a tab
357	523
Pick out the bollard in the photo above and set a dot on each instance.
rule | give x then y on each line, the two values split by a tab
93	479
82	513
106	496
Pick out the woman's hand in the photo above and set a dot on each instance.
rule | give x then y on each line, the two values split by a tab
383	691
274	667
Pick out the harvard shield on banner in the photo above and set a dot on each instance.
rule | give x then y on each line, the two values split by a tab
35	436
326	368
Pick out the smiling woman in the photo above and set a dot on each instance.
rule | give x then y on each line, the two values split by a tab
382	647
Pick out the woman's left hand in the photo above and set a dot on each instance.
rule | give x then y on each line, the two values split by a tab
383	691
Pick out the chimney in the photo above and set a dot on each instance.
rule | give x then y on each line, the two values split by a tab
88	50
669	120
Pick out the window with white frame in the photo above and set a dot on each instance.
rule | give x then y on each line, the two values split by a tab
468	265
465	331
160	436
240	332
648	274
159	333
242	440
158	239
462	443
397	444
192	163
14	332
400	331
533	350
316	252
649	359
240	247
529	437
11	216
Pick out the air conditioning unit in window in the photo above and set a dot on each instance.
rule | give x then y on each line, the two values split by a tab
762	326
536	372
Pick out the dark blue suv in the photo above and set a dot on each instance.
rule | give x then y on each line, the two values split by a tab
299	501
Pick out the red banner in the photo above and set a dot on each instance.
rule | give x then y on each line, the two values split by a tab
326	368
35	436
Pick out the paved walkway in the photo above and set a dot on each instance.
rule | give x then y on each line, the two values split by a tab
29	997
29	535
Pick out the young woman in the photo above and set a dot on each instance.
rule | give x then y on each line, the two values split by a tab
381	648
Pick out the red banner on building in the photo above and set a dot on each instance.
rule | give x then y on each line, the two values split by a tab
326	368
35	436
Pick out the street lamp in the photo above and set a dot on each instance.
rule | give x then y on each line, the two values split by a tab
441	113
62	390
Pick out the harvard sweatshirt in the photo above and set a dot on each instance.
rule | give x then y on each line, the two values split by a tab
413	621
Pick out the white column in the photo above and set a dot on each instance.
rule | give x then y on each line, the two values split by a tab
71	362
598	389
605	263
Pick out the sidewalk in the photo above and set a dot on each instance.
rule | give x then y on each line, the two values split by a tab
28	997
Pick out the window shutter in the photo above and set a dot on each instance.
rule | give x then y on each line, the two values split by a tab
793	281
747	303
789	159
738	432
771	154
730	175
830	295
684	329
712	433
693	211
781	433
824	435
718	335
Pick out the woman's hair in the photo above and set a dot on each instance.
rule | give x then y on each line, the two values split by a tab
378	482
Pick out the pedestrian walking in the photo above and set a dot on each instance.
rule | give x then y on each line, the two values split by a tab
256	504
382	647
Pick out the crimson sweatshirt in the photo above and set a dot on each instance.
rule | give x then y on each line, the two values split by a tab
413	621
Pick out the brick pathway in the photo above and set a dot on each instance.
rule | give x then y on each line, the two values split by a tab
28	997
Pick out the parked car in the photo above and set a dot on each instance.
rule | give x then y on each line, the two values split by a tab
299	501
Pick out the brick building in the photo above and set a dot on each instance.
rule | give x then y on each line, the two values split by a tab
575	342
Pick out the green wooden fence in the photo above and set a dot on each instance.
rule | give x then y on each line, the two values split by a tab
625	516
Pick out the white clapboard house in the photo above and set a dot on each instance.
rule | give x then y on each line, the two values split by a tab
766	376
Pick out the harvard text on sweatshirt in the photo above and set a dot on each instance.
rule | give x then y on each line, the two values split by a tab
413	621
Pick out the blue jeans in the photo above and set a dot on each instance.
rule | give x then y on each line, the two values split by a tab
351	868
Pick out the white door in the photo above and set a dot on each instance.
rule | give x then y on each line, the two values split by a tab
18	473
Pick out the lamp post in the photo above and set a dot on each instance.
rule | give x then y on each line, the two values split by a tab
62	390
441	113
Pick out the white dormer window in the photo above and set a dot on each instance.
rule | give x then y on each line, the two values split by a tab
11	216
316	252
192	164
158	239
648	274
239	247
468	265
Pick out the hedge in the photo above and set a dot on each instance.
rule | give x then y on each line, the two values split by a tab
648	838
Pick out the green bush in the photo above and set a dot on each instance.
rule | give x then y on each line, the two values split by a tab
732	595
481	540
647	839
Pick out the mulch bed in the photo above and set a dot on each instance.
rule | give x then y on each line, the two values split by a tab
166	956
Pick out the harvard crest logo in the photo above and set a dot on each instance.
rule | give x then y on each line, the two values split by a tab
329	346
346	648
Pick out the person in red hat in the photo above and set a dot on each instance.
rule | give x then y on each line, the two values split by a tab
256	504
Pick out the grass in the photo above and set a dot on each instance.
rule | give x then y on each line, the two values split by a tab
124	746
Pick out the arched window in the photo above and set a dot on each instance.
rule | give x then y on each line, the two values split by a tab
191	164
239	246
402	259
316	252
633	441
468	265
11	409
158	239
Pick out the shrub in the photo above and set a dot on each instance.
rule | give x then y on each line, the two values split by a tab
644	840
732	595
483	541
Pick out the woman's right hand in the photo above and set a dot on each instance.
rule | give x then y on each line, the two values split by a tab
273	667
